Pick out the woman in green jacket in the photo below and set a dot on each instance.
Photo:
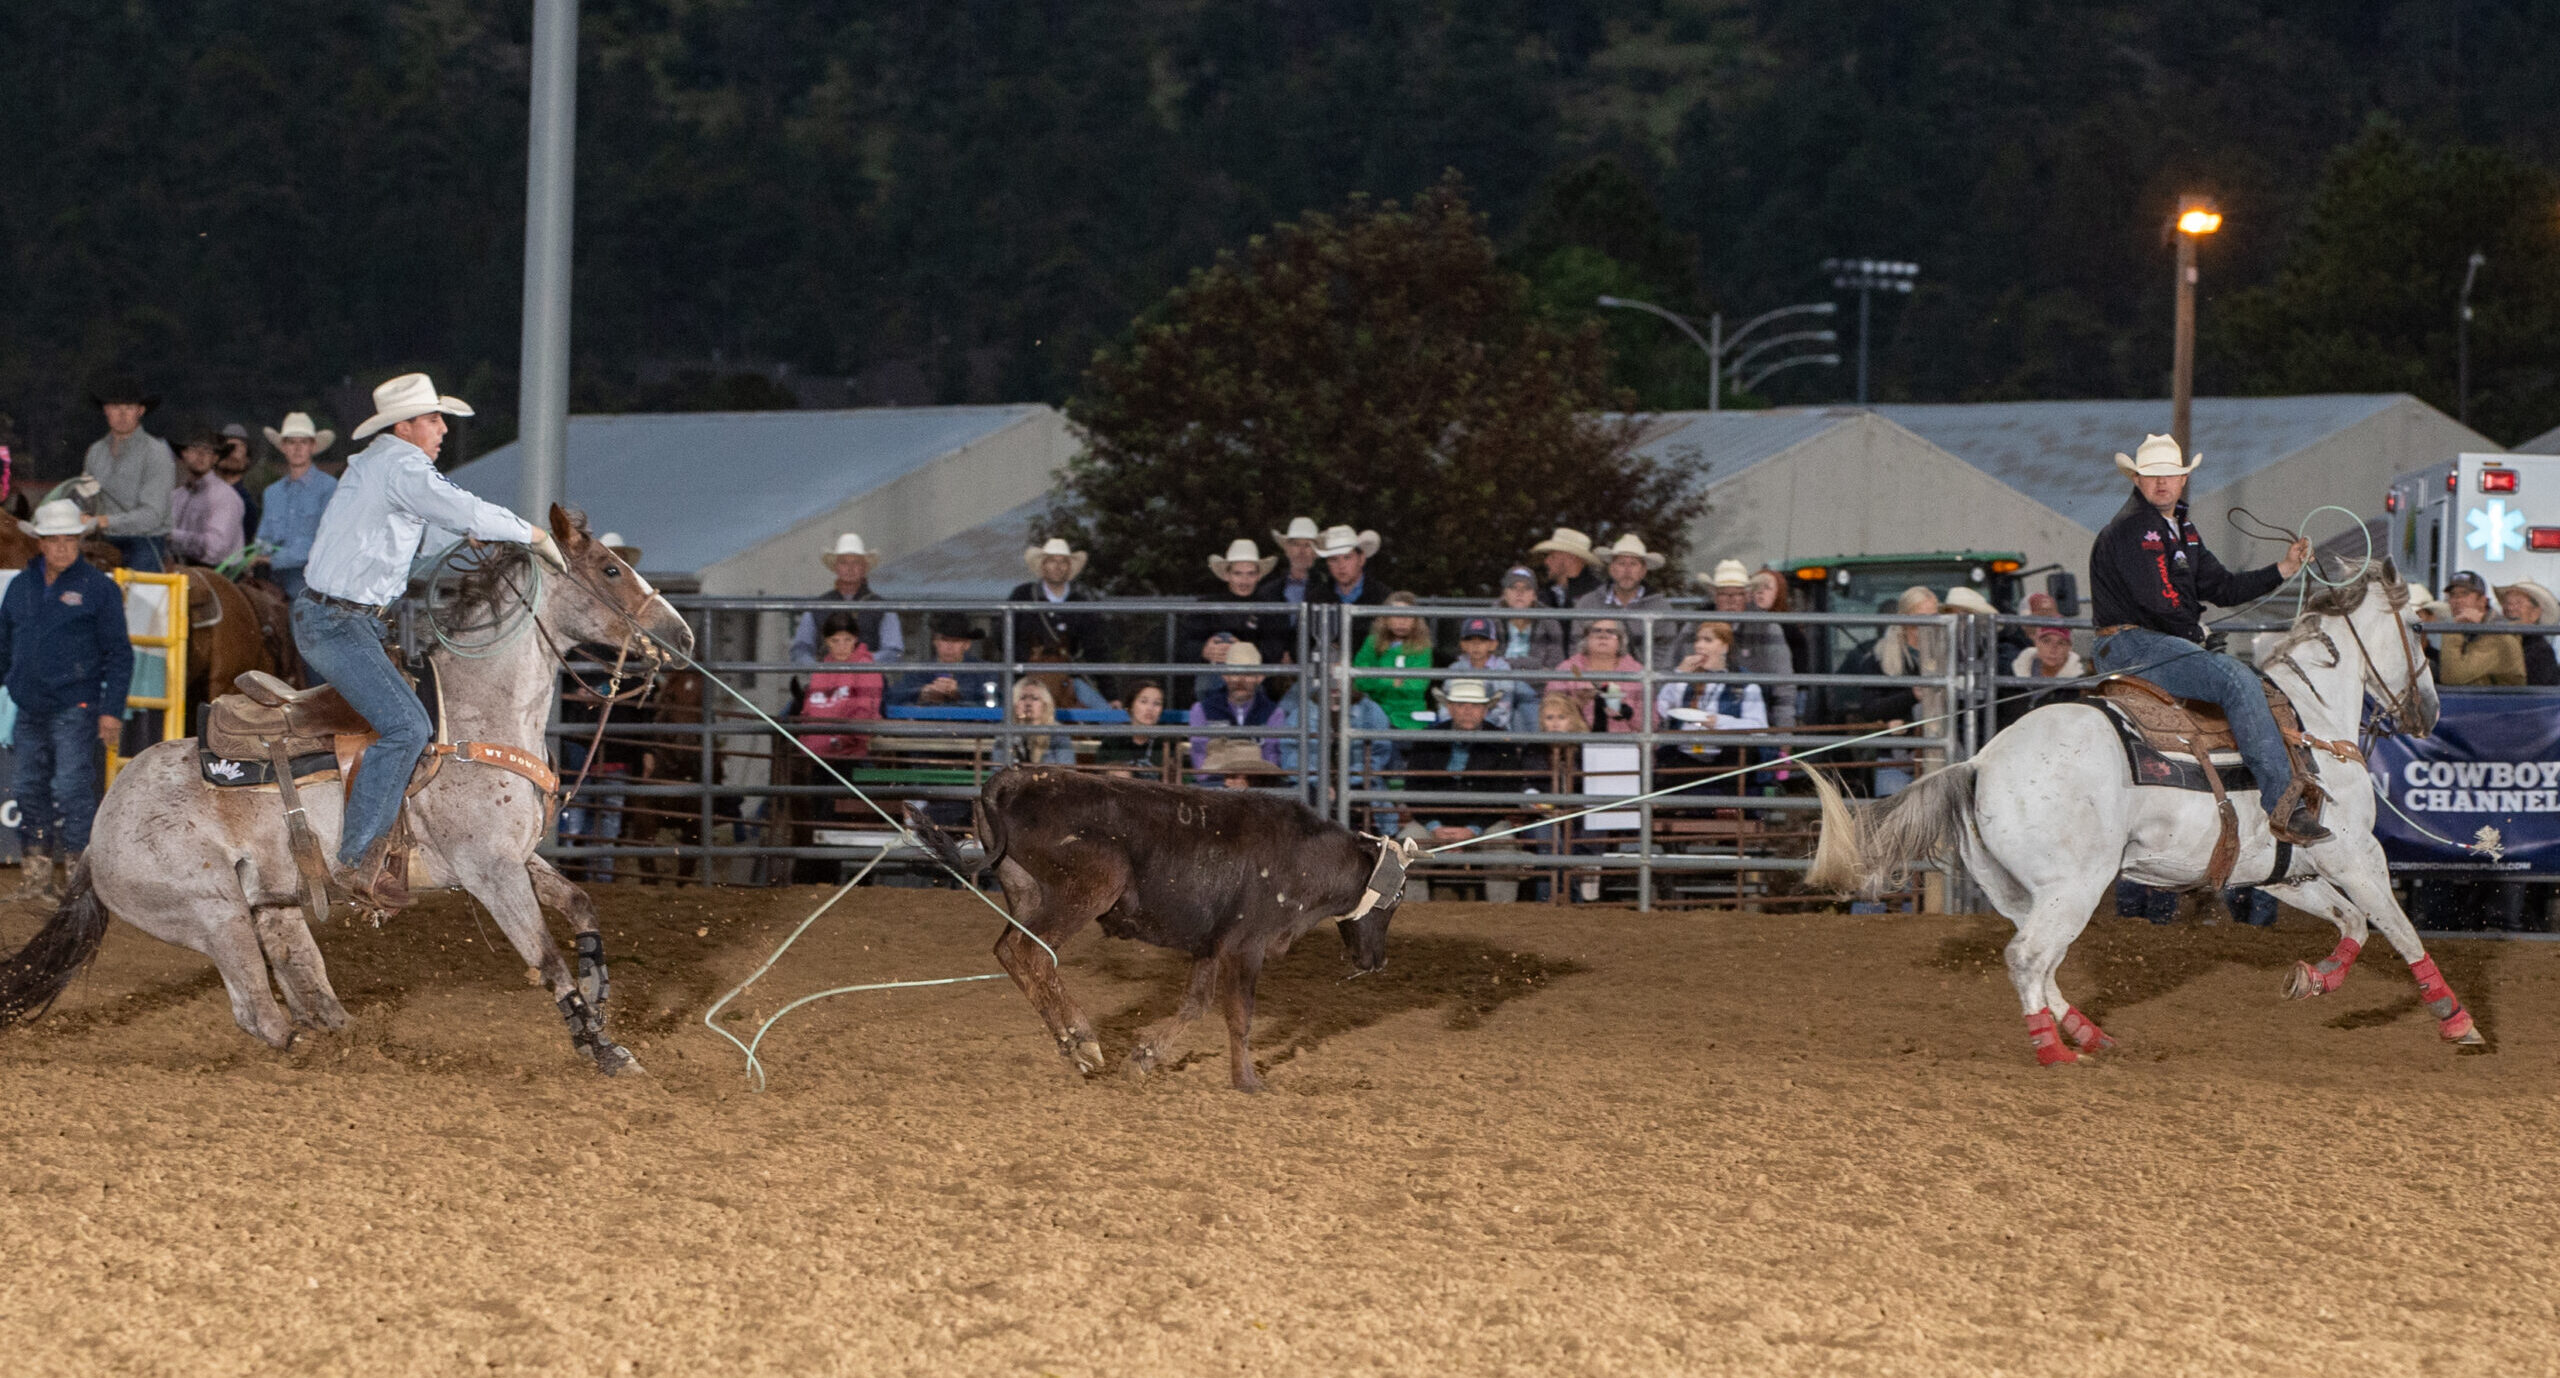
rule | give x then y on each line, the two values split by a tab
1399	642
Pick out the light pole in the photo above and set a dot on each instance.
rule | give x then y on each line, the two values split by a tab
542	397
2197	217
1716	344
1868	276
2462	340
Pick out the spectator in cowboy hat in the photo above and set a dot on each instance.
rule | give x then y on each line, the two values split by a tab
234	464
850	561
204	513
1479	644
128	477
1466	705
2527	601
1241	573
1628	562
2476	657
1346	554
67	664
1759	648
1569	559
943	683
1294	573
1054	571
1233	763
1240	702
294	502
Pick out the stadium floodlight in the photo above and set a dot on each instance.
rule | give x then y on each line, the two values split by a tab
1866	277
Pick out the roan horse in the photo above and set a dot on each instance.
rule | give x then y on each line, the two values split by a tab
210	868
2047	816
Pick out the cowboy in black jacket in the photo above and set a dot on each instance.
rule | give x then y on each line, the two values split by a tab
2149	579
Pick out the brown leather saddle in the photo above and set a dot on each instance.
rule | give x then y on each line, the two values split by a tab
2192	737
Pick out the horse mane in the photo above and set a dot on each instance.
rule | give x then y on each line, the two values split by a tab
2340	599
493	578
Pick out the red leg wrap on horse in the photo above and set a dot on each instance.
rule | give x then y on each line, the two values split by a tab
2085	1031
2047	1043
2431	986
2452	1020
2332	971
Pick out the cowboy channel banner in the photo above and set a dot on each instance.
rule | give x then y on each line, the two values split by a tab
2493	762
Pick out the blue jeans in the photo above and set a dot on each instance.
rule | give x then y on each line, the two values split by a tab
2192	672
59	763
290	580
142	554
347	647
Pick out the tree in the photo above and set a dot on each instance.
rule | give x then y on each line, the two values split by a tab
1376	368
2365	298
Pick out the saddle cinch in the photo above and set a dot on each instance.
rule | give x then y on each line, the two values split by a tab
272	734
2182	743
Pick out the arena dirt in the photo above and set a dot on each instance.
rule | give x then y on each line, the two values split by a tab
1543	1140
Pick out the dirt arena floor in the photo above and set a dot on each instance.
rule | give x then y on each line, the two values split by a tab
1542	1140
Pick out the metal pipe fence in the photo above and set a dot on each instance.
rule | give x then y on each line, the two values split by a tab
693	786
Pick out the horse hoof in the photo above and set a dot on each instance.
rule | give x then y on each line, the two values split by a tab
1088	1056
2303	983
2460	1029
2085	1032
612	1059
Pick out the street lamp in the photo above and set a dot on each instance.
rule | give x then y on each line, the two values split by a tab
2197	217
1867	276
1716	344
2462	339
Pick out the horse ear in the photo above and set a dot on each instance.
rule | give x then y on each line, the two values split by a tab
568	530
2390	572
19	507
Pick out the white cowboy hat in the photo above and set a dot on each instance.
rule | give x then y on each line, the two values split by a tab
849	543
2543	601
1300	529
60	517
406	397
629	553
1465	691
1342	540
297	426
1570	542
1033	555
1966	600
1630	544
2156	457
1242	551
1243	653
1729	574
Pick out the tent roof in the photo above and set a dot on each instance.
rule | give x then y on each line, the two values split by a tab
696	488
2063	453
2547	443
1729	442
983	562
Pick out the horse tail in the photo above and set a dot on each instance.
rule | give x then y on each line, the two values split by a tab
36	976
1868	848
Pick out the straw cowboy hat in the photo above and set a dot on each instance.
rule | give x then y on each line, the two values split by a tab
1300	529
297	426
405	398
1631	544
628	554
1962	599
848	543
60	517
1242	551
1569	542
1465	691
2156	457
1242	653
122	387
1033	555
1235	756
2543	601
1342	540
1729	574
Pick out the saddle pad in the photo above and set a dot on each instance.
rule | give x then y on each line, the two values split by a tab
2149	765
226	772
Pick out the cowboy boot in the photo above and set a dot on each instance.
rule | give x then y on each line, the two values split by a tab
379	880
37	881
61	884
2296	819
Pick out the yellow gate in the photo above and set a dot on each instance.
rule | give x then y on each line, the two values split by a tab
165	650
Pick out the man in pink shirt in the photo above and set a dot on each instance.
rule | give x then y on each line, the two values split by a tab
204	512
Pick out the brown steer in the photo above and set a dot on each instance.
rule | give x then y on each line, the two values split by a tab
1228	876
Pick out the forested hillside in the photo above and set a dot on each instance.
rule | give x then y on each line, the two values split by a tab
251	201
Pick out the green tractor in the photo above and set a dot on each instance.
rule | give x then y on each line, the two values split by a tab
1872	583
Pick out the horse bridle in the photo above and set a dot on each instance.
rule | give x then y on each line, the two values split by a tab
2396	710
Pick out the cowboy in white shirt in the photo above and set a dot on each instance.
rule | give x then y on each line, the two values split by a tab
359	566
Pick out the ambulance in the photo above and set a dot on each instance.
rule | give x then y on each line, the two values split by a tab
2497	515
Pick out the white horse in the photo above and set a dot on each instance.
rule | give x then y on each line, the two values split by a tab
2047	817
211	868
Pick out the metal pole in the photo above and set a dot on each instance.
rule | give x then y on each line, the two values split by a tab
1644	770
1864	296
2462	340
2182	371
542	401
1715	362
